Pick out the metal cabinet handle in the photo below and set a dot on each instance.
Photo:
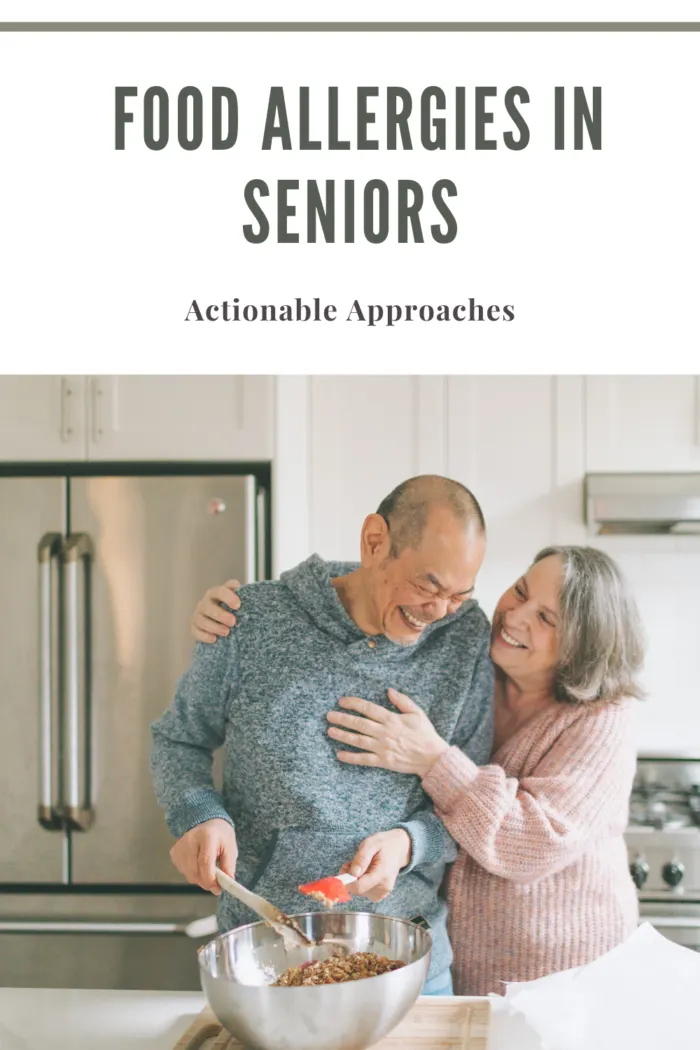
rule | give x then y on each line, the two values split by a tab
97	399
48	549
67	399
75	809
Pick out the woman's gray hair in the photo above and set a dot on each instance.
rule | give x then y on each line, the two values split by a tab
601	638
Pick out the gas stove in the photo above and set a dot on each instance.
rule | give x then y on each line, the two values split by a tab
663	843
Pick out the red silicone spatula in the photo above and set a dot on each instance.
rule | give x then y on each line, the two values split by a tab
330	891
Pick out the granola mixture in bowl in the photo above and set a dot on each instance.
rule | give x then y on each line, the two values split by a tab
337	970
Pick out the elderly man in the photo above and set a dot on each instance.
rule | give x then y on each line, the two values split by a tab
289	811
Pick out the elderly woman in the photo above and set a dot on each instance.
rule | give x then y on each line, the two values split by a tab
541	881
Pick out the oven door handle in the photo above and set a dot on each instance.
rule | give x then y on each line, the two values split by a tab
677	922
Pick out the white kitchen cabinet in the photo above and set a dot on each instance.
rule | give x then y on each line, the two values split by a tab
343	442
180	417
642	423
55	418
42	418
500	445
366	434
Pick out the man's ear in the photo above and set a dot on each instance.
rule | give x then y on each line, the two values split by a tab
375	541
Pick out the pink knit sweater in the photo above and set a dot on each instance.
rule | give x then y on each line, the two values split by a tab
541	881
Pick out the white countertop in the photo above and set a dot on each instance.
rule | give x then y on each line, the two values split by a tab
61	1019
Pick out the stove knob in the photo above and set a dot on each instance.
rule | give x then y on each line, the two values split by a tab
673	873
639	870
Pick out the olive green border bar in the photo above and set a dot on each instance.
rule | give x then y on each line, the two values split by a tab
349	27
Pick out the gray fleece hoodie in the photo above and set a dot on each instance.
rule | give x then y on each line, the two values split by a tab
263	693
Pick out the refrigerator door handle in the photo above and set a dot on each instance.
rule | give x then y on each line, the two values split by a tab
261	534
251	561
76	808
49	548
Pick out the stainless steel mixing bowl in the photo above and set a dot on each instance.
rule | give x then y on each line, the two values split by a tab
236	970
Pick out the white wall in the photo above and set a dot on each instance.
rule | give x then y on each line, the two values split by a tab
522	444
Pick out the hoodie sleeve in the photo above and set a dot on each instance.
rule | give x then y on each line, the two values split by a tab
430	840
185	737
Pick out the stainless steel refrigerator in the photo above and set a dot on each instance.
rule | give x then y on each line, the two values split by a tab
99	572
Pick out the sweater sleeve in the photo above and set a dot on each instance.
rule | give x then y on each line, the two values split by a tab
431	840
185	737
525	829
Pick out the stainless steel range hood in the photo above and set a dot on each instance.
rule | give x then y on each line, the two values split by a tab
643	503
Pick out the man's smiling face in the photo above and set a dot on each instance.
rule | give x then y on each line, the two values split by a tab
418	586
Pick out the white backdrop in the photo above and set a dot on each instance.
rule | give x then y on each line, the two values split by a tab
103	251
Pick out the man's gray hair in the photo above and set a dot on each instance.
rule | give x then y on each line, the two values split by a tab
601	637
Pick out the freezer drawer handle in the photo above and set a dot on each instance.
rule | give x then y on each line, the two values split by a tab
56	926
75	810
49	548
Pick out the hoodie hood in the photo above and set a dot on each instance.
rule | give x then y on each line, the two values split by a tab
310	583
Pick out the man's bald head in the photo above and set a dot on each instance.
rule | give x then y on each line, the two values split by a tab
407	509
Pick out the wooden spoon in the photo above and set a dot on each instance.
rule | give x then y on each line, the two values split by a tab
285	926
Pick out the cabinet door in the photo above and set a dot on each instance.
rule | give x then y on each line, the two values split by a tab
642	423
501	433
180	417
42	418
366	435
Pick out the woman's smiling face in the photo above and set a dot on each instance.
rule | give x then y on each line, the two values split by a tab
525	637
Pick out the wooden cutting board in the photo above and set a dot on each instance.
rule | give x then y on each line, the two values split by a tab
449	1023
